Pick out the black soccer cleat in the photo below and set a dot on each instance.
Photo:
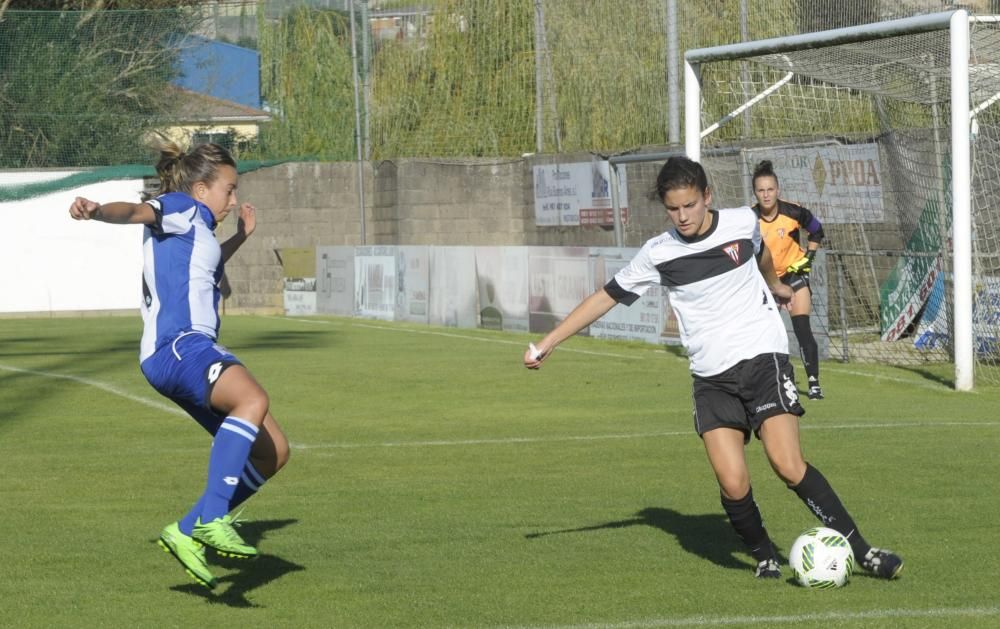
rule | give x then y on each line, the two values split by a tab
768	569
815	393
882	563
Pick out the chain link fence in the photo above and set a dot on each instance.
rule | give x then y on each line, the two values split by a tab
444	78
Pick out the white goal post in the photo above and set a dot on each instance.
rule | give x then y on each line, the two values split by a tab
778	57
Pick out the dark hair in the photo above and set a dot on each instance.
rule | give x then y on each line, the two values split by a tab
680	172
179	171
764	169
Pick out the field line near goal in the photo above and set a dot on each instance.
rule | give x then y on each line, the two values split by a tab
861	425
717	621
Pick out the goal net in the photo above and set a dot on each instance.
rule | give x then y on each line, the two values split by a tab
859	125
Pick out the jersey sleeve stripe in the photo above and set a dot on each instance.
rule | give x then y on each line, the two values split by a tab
619	294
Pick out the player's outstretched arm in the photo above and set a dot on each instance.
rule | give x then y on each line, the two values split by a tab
589	310
118	212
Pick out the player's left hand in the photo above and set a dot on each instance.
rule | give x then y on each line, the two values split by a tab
800	266
803	265
247	222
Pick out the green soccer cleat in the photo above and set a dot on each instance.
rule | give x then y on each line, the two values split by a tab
220	535
188	552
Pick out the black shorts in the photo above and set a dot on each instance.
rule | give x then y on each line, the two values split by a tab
745	395
797	281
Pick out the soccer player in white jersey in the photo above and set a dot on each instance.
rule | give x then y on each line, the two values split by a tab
723	290
179	355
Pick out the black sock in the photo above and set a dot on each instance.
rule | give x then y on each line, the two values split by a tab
808	348
822	500
745	518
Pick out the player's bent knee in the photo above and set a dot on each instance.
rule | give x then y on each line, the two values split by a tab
736	487
253	407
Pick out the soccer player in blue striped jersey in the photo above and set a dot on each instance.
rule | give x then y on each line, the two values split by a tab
179	354
723	288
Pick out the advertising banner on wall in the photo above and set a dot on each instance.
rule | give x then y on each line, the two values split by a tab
646	319
934	330
298	266
837	183
577	194
375	282
335	280
558	280
903	294
502	282
453	287
413	283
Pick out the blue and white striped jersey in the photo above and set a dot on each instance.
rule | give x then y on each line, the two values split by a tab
181	272
723	306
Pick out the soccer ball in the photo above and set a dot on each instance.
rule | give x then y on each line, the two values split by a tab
821	558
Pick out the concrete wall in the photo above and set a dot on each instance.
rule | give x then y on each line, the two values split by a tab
408	202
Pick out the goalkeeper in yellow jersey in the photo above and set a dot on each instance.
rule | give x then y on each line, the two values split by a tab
780	224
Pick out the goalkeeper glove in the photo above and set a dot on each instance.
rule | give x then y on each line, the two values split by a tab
802	265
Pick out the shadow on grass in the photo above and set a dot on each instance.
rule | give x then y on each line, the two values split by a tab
931	376
279	339
248	575
708	536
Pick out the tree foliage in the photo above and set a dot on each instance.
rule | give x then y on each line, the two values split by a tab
307	82
83	88
466	89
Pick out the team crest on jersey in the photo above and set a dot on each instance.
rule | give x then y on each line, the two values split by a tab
781	232
733	251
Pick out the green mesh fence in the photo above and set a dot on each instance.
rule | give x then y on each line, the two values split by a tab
438	78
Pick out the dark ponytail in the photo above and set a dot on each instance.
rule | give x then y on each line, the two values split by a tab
764	169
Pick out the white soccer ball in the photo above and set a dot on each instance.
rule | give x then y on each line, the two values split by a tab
821	558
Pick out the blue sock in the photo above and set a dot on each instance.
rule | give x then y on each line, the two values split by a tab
229	455
186	524
250	483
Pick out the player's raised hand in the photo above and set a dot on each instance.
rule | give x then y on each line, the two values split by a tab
84	209
247	221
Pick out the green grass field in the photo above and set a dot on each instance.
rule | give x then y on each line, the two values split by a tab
435	482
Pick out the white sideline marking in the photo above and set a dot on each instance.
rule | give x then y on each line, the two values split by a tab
453	336
710	621
102	386
301	320
640	435
489	340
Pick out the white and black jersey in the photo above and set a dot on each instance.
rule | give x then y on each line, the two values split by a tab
723	306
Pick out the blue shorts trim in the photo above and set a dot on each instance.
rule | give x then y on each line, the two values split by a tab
186	370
